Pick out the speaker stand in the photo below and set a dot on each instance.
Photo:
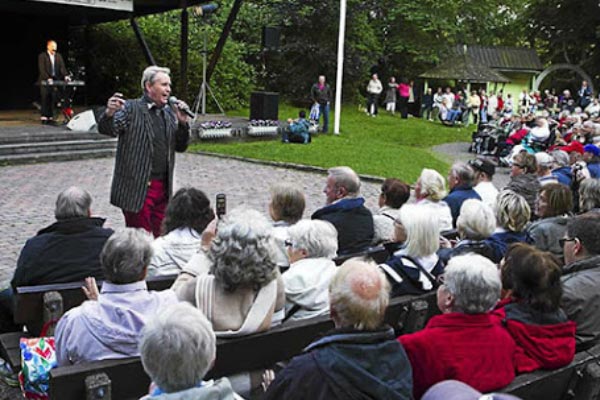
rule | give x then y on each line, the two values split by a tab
204	88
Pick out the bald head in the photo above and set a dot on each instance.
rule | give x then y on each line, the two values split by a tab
51	46
358	295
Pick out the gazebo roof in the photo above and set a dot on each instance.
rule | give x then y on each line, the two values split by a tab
464	68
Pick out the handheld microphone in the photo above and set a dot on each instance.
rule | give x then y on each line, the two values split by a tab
173	102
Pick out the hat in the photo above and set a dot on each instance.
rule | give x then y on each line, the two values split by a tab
573	146
483	166
590	148
455	390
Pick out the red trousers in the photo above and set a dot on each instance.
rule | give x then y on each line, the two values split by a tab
153	211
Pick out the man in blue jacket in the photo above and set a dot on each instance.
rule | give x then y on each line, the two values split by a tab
460	181
360	358
346	211
297	131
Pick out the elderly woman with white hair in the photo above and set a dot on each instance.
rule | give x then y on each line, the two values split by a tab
561	167
512	216
475	224
589	195
178	348
234	279
430	189
413	269
464	343
312	245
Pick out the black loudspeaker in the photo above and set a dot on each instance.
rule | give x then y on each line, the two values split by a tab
264	105
270	38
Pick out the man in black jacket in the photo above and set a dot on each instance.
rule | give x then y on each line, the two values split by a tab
66	251
149	134
360	358
51	67
346	211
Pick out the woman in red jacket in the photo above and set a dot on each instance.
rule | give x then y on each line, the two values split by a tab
531	312
466	342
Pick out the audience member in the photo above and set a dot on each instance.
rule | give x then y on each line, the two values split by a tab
107	326
188	214
456	390
390	95
312	245
66	251
346	211
561	167
285	208
553	206
430	189
475	224
484	172
589	195
413	269
591	155
394	194
531	311
360	358
178	347
297	130
460	180
581	277
374	89
545	163
234	280
464	343
512	217
523	178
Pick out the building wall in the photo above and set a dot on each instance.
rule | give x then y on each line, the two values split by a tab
518	82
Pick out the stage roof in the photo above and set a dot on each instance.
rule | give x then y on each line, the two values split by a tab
83	12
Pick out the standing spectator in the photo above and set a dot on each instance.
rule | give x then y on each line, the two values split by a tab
584	95
483	107
394	194
66	251
531	312
438	99
509	105
581	277
390	96
427	106
403	94
474	104
492	106
374	89
460	180
484	172
430	189
312	245
321	94
188	214
346	211
107	326
412	101
464	342
524	102
553	207
500	107
359	358
149	134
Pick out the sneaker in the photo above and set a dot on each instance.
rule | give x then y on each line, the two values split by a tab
7	375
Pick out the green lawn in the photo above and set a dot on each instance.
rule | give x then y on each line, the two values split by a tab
385	146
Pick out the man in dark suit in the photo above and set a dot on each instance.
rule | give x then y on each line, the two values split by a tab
149	133
51	67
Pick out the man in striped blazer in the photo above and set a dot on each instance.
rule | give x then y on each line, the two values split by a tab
149	133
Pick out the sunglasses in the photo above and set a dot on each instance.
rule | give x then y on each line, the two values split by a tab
565	240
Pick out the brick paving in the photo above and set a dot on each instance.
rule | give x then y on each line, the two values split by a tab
29	192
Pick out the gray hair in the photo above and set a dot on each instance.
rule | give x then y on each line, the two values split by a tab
422	231
359	294
318	238
464	172
243	253
125	256
346	177
177	347
73	202
149	75
432	184
512	211
476	220
474	281
589	194
544	160
561	158
287	202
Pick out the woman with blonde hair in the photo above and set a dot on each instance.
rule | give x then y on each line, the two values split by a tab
430	189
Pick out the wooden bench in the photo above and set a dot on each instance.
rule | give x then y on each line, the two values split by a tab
125	379
36	305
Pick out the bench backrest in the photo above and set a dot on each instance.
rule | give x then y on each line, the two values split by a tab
378	254
405	314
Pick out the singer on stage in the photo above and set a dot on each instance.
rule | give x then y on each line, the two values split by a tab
150	130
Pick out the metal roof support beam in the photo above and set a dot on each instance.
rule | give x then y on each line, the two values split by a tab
223	38
142	42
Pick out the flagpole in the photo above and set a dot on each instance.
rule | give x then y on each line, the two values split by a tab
340	68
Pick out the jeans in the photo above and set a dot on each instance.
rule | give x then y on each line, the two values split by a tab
452	115
324	111
291	137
